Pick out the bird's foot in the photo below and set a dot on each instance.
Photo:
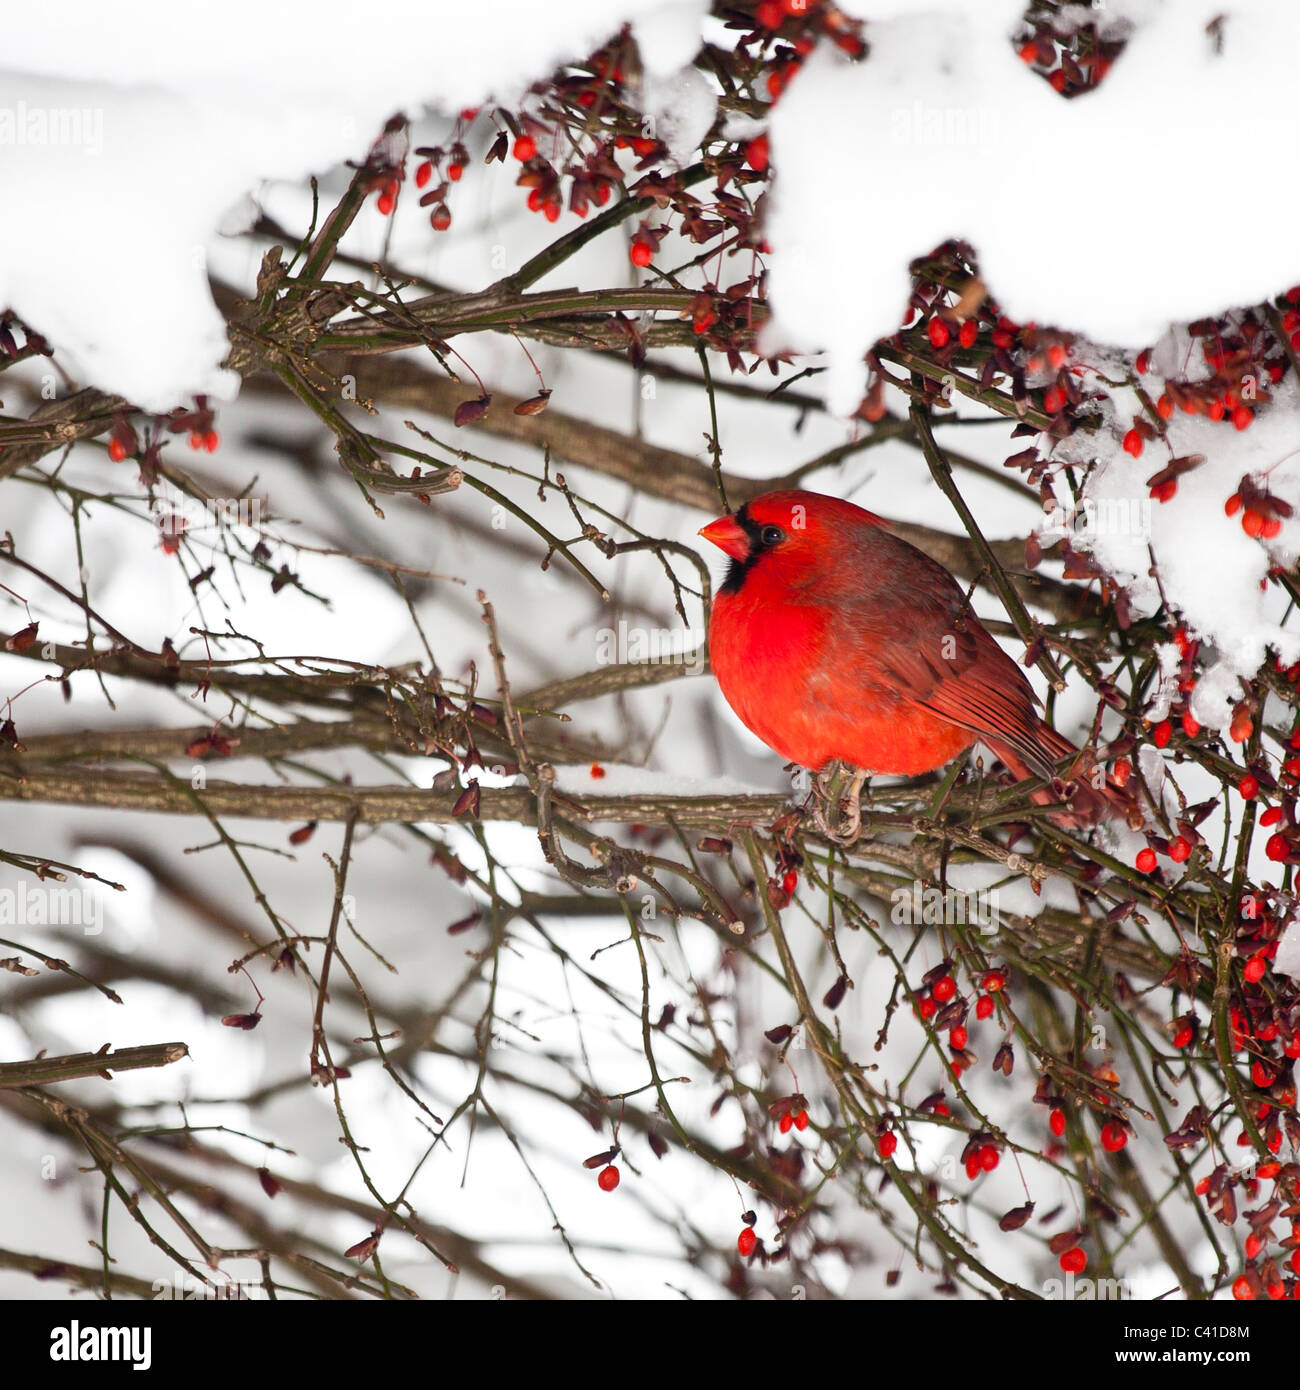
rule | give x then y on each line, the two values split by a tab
846	804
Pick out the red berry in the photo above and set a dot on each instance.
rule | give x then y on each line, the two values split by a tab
1261	1074
937	331
1053	400
746	1241
1133	443
1113	1136
1191	727
454	172
1056	1122
386	203
957	1038
1146	861
440	218
1254	969
1058	81
1074	1260
608	1179
423	174
944	988
1242	1291
984	1006
1144	361
116	450
768	13
756	153
886	1145
641	254
1277	848
1056	355
1271	526
525	148
535	200
968	333
1233	505
801	1121
1242	416
1179	850
989	1158
994	981
1122	771
1160	734
1252	522
1184	1036
973	1169
211	440
786	1123
1165	407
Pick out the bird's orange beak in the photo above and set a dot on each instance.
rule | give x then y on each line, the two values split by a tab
728	535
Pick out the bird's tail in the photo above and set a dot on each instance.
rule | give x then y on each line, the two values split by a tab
1090	795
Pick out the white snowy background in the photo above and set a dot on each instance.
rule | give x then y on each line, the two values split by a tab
106	246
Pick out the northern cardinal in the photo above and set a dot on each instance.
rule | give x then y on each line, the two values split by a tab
832	638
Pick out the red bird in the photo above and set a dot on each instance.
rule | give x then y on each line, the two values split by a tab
831	637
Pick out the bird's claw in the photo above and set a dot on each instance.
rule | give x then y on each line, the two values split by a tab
848	808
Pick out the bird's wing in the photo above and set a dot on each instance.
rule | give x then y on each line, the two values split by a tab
954	668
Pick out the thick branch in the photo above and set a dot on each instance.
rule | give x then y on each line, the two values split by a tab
81	786
42	1071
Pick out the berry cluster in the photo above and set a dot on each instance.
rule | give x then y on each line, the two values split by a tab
1073	58
940	1003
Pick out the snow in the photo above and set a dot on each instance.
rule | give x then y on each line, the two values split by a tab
1209	569
179	142
1287	960
682	108
878	162
132	138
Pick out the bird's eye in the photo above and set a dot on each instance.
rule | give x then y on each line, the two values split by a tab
772	535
